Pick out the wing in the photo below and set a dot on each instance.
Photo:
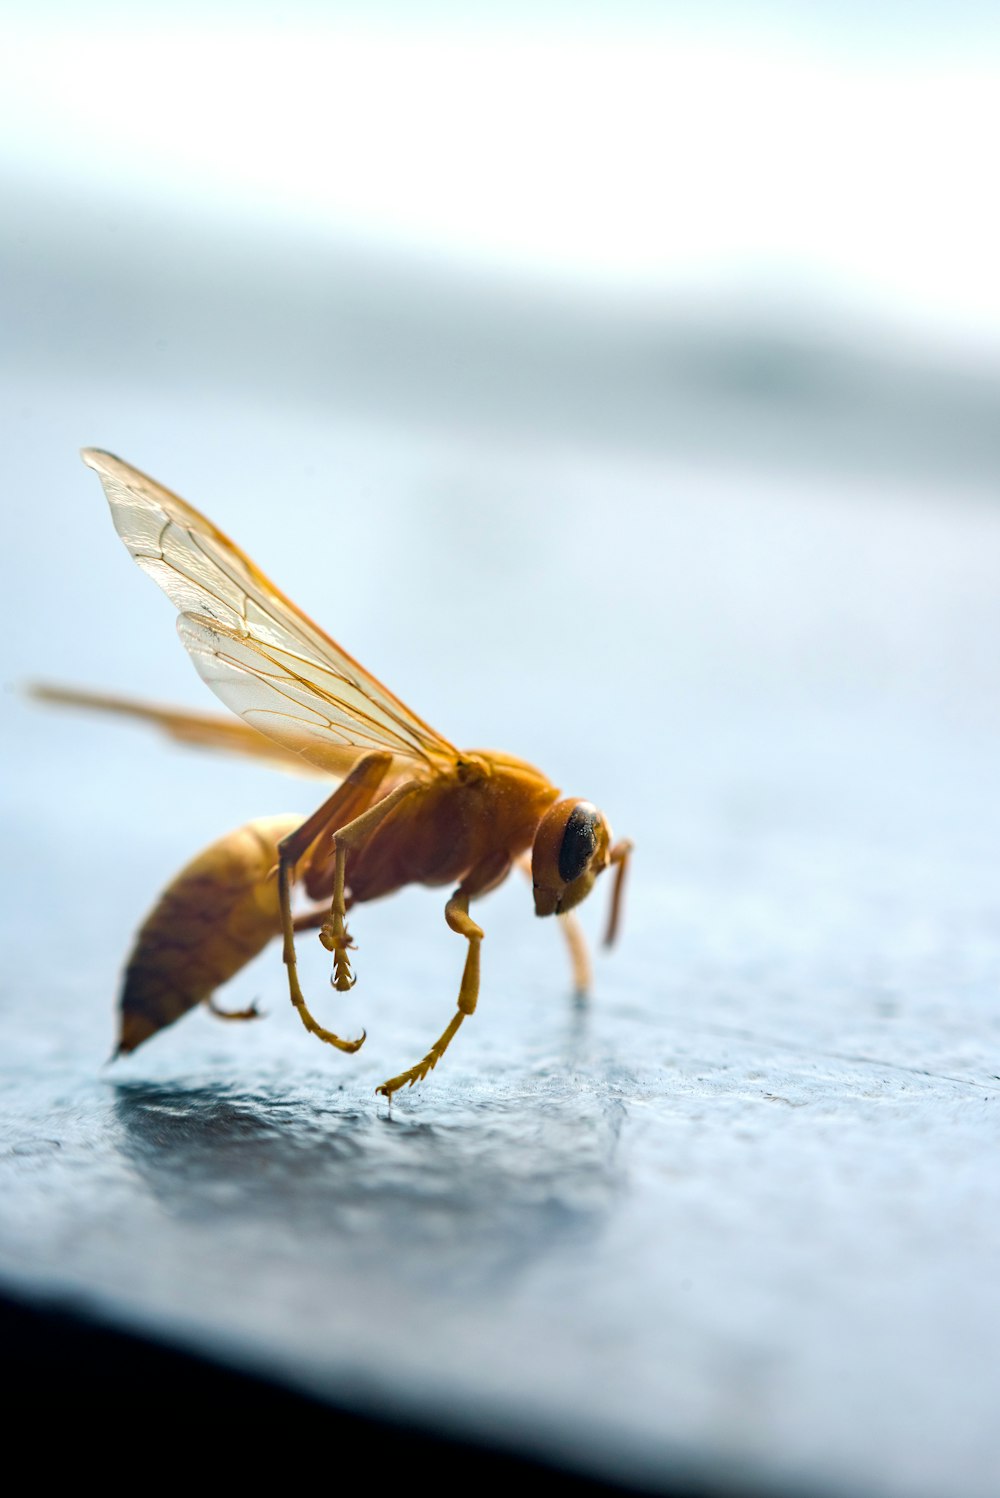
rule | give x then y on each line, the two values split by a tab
256	649
202	730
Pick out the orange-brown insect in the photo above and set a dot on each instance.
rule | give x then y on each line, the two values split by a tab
409	807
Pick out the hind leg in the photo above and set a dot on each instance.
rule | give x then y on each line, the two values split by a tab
353	797
250	1012
309	920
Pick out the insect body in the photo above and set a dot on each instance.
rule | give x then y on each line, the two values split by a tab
408	807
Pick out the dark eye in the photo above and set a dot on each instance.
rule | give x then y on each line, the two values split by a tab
579	842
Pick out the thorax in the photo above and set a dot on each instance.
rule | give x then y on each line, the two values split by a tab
489	803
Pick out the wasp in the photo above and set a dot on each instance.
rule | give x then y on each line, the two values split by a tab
407	806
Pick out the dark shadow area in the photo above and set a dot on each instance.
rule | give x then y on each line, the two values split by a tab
111	1395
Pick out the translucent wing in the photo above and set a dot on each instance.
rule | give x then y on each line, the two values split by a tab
256	649
200	730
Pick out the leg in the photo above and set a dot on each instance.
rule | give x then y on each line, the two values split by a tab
333	931
353	795
579	957
251	1012
620	854
456	913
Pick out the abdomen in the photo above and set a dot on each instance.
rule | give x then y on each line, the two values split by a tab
218	913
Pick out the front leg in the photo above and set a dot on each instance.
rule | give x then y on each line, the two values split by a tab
485	877
576	942
619	856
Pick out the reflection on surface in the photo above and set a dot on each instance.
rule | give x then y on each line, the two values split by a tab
465	1199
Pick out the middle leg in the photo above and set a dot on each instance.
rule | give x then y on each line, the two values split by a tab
352	797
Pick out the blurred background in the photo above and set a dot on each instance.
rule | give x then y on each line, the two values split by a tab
622	385
654	347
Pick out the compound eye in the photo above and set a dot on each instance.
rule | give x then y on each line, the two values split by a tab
579	841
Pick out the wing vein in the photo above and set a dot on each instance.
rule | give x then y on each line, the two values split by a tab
256	649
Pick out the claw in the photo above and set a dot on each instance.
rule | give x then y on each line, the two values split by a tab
342	978
251	1012
350	1046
